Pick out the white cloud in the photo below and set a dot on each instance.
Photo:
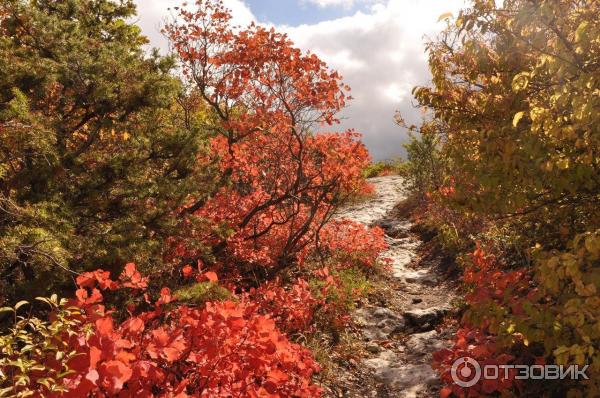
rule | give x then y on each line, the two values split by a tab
344	59
380	53
397	92
152	15
329	3
347	4
240	11
389	44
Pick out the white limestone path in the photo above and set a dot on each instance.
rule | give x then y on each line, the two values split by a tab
423	297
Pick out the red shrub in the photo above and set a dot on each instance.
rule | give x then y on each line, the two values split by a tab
495	295
482	348
220	349
292	308
282	179
351	243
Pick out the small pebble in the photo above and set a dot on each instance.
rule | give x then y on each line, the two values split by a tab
373	348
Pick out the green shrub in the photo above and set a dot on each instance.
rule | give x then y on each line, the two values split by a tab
98	146
202	292
424	170
27	345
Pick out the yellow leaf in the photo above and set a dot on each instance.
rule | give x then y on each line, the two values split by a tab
592	244
445	15
520	81
560	350
511	328
517	118
563	164
581	30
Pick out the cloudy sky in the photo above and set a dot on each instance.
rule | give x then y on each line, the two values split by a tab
377	45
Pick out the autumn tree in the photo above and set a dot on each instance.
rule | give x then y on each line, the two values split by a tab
281	179
515	107
514	88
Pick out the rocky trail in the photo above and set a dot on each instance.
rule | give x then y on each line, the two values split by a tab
399	332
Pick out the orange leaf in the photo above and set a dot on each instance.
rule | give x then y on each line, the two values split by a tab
187	271
211	276
105	326
445	392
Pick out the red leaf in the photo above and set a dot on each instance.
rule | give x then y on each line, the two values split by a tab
187	271
105	326
277	376
93	376
132	278
86	279
134	325
211	276
95	356
165	296
81	294
116	374
445	392
129	270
